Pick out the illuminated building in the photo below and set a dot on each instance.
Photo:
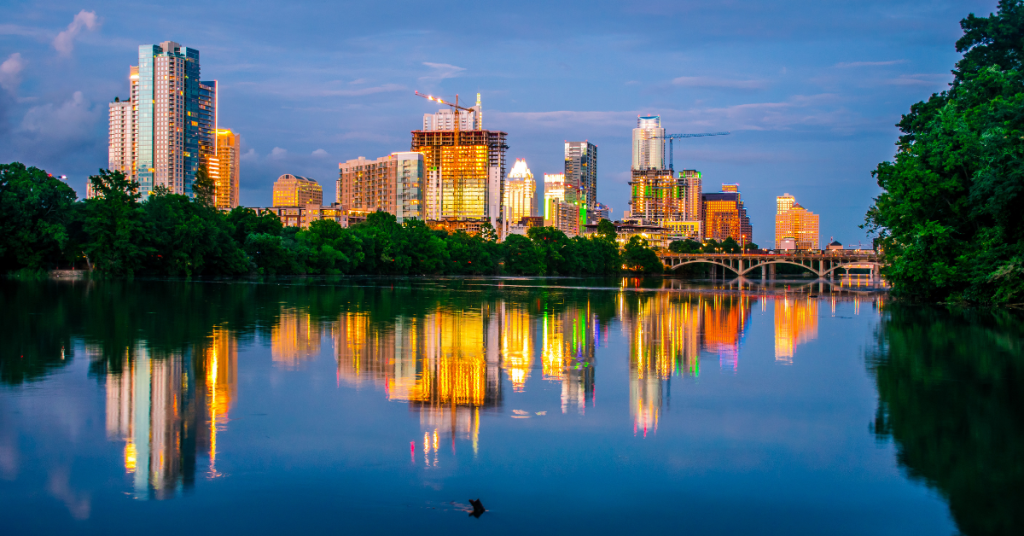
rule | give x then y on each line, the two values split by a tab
121	142
648	144
581	172
694	209
224	170
520	191
167	122
464	168
725	321
304	216
207	122
796	322
294	339
392	183
445	119
294	191
563	208
795	222
725	216
657	196
517	346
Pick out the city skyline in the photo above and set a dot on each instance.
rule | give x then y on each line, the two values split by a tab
810	123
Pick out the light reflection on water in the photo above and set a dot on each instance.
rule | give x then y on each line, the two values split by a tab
468	359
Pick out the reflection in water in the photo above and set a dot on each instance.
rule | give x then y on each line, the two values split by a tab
796	322
166	407
949	390
294	339
667	332
569	340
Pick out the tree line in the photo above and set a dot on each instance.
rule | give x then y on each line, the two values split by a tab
949	220
44	226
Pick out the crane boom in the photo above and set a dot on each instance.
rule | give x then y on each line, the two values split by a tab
672	137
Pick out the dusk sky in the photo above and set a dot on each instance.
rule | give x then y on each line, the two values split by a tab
809	89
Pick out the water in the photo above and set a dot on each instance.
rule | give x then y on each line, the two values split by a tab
377	406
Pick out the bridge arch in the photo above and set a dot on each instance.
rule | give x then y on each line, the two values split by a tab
673	263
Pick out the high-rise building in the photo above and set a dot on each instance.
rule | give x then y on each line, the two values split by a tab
657	196
725	216
793	221
392	183
173	120
648	143
224	169
295	191
520	191
563	206
581	172
445	119
464	172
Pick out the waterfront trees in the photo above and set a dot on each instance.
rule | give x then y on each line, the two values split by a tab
35	212
948	220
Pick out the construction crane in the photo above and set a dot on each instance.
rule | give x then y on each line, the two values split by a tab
672	137
455	107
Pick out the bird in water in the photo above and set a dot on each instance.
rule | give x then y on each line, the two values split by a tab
478	508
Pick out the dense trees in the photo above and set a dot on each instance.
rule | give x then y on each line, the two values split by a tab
949	219
119	234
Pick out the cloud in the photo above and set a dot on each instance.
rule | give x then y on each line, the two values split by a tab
845	65
441	71
65	41
714	82
919	80
25	31
10	72
278	153
71	121
320	153
359	92
249	156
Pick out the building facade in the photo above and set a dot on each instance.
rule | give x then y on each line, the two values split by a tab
392	183
172	123
295	191
794	222
520	191
657	196
464	173
581	171
725	216
224	169
445	119
648	143
303	216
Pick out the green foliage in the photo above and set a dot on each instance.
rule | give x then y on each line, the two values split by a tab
244	222
35	211
949	385
523	256
750	246
730	246
685	246
711	246
114	223
189	238
949	221
606	229
203	188
637	256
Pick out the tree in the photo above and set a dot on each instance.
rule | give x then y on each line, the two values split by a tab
34	214
729	245
949	222
189	237
244	221
522	256
606	229
204	190
750	246
556	250
114	224
684	246
711	246
637	256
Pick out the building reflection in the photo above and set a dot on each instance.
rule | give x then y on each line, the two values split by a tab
445	364
569	341
796	322
667	333
169	406
294	339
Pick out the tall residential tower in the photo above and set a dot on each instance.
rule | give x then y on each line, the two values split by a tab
581	172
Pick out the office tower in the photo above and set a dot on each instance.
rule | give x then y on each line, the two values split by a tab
224	169
294	191
173	120
464	173
563	206
392	183
519	192
581	171
725	216
207	122
694	204
658	196
795	222
648	143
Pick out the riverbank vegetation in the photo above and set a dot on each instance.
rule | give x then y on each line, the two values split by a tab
949	221
43	226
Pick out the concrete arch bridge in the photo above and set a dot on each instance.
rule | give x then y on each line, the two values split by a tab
823	264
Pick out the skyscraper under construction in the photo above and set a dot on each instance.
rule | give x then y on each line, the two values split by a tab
464	169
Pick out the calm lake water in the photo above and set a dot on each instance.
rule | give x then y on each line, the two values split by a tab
381	406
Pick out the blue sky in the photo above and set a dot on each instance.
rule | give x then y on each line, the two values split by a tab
810	90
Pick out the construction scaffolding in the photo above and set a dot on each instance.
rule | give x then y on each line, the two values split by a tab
464	173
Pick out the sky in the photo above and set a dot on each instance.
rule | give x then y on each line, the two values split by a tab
810	90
